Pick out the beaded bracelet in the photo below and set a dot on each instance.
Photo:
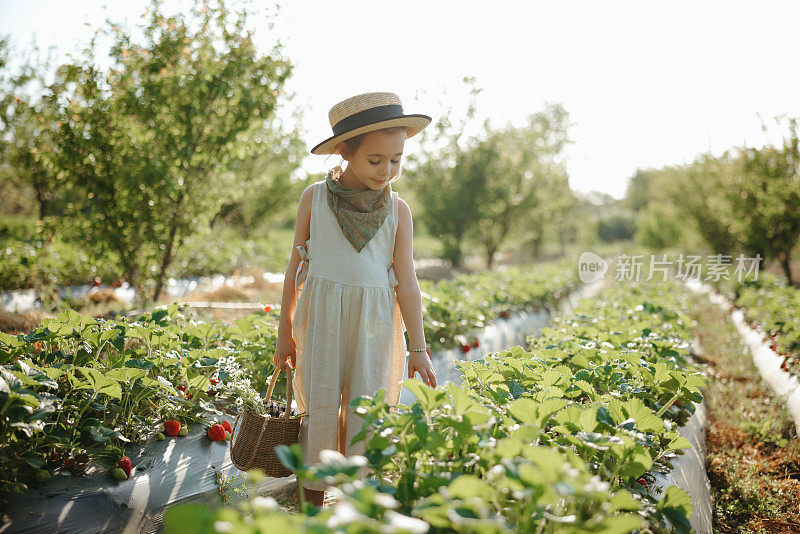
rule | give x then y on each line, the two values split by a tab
420	350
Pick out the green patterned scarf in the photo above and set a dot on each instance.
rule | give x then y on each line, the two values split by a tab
360	212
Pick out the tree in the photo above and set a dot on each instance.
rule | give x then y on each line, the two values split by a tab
524	181
443	183
154	143
28	123
616	227
764	194
696	190
638	192
494	186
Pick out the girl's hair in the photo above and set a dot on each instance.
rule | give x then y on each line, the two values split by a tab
353	143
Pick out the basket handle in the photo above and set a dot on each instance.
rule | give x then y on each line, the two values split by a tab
269	395
289	390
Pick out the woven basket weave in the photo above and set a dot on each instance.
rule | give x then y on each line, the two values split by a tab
254	446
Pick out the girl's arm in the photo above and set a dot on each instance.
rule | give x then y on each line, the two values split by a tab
409	298
302	232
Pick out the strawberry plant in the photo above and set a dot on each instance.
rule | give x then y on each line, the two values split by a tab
77	385
561	437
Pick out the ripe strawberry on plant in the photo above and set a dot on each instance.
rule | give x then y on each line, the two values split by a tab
465	348
475	344
125	465
227	426
643	482
216	433
172	427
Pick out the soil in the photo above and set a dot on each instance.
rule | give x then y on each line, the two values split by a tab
753	456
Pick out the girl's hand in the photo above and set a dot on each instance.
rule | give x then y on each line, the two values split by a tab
285	350
421	363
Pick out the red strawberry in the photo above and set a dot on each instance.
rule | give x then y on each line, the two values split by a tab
267	308
475	343
465	348
216	433
125	465
643	482
171	427
213	381
227	426
181	388
97	281
504	314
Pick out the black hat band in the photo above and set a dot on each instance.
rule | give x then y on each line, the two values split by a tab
367	116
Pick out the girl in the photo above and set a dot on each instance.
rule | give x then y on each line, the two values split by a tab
354	260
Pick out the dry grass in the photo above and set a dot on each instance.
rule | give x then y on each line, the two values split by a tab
21	323
753	459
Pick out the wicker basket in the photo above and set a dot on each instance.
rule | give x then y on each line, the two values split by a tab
254	446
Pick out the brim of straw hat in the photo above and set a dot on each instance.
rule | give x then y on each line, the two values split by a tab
414	123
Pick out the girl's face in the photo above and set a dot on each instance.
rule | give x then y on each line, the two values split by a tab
376	161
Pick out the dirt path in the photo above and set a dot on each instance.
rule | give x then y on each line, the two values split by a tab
753	459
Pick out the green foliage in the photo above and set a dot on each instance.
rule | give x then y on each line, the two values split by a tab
616	228
551	439
769	304
505	184
659	227
747	202
29	121
454	309
155	145
77	385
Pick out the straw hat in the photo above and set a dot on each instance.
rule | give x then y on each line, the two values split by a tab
367	112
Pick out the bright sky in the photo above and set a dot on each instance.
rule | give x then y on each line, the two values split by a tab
646	85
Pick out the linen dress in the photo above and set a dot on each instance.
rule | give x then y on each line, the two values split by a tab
348	330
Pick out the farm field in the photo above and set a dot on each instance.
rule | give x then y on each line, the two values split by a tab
558	297
85	391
